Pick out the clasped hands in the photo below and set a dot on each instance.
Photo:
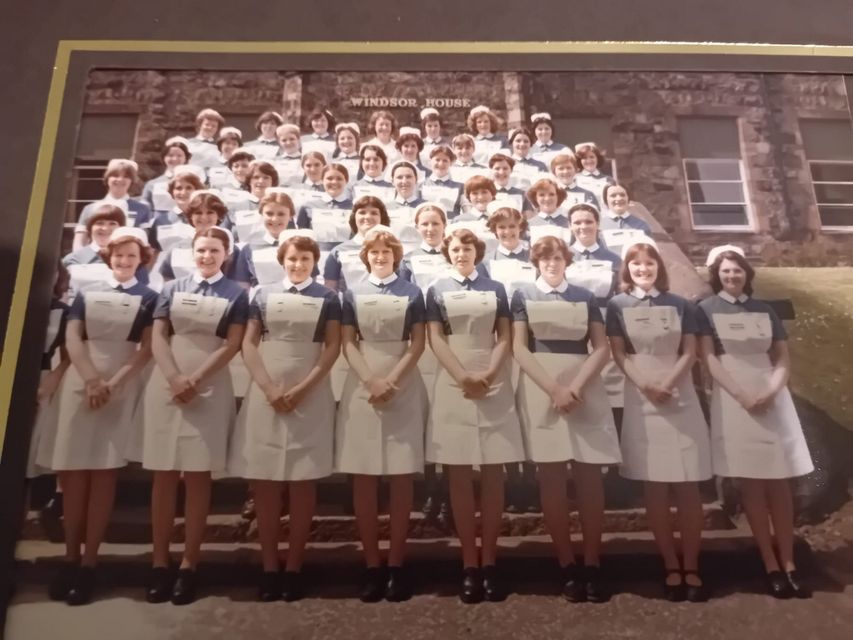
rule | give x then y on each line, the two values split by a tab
283	400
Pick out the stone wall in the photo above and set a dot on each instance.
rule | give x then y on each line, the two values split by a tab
643	108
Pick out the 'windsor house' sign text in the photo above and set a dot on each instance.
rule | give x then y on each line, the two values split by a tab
438	103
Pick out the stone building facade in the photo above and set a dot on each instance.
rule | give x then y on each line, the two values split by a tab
641	112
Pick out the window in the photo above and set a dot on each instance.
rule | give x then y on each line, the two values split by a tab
716	192
244	122
101	138
571	131
829	149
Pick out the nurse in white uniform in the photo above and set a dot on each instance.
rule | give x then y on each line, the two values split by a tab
592	177
346	148
483	125
285	428
108	340
563	408
383	126
154	193
473	419
665	439
189	406
383	409
756	436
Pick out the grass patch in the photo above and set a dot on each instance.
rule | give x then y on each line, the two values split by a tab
821	336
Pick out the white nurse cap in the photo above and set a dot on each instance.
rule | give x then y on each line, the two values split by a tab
637	241
379	228
494	205
713	253
211	192
287	234
428	111
431	204
121	163
403	163
410	131
225	131
348	125
480	108
129	233
177	139
198	172
540	116
230	238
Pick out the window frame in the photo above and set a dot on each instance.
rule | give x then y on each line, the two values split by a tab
749	225
835	228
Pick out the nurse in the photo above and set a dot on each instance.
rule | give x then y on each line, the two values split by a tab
344	267
401	210
246	222
285	430
526	169
258	262
383	409
515	198
592	178
346	151
465	165
439	186
560	344
205	209
266	145
664	435
208	122
322	124
543	128
384	126
473	419
483	125
479	192
333	206
756	436
288	158
313	163
372	182
170	228
593	266
616	214
109	342
410	145
230	139
547	197
565	167
188	406
431	131
119	177
154	193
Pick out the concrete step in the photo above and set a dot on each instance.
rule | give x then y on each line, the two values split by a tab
132	525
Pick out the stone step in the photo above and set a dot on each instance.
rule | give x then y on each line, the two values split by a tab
132	525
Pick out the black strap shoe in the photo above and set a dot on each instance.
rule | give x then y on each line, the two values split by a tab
161	581
595	585
184	591
373	587
799	587
82	587
292	586
269	586
494	589
61	582
778	585
574	583
674	592
398	588
472	586
694	593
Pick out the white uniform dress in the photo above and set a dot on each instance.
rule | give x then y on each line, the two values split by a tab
558	323
667	443
193	437
463	431
597	268
114	318
297	445
767	446
387	439
44	425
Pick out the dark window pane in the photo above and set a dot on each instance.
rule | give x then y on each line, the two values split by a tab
832	171
712	170
715	192
245	123
106	136
834	193
836	216
712	215
827	139
571	131
709	138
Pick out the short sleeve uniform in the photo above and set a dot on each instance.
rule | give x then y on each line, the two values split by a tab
387	439
769	445
194	436
666	443
297	445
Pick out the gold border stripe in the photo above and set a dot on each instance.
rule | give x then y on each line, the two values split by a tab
439	47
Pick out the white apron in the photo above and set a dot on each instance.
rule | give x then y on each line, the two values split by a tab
248	225
161	198
385	194
44	425
99	438
588	433
353	271
191	437
667	443
538	231
770	445
267	268
425	269
513	200
286	446
388	439
330	225
447	197
473	432
183	262
615	239
511	273
85	276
